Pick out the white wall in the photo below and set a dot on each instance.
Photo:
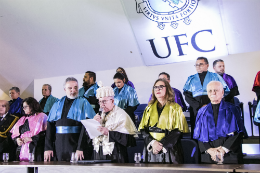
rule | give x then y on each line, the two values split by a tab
3	95
243	67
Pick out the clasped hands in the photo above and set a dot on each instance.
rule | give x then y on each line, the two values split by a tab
157	147
213	152
103	130
21	141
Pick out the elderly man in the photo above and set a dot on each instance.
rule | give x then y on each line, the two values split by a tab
7	121
48	100
16	102
117	128
89	89
219	67
178	95
219	128
64	124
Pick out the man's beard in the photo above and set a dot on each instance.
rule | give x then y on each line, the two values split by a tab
85	84
72	97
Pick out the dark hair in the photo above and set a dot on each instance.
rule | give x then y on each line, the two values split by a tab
15	88
169	95
168	76
203	58
33	105
216	61
125	75
119	76
49	86
92	74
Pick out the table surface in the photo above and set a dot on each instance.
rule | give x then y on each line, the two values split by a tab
249	168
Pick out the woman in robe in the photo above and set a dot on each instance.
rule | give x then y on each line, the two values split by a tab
162	126
127	82
125	96
29	132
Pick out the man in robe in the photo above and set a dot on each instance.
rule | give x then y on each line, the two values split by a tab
256	86
64	126
7	121
48	100
117	128
178	95
16	102
89	89
219	67
219	128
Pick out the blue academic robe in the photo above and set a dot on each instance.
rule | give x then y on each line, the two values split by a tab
49	103
17	107
257	114
91	92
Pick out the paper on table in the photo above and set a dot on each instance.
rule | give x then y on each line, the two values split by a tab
91	127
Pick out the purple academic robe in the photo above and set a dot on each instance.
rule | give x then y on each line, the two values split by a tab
231	83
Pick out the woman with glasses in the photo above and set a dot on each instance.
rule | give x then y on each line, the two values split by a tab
127	82
29	132
162	125
125	96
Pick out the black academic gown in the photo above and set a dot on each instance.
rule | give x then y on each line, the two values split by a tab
232	143
43	102
6	143
92	99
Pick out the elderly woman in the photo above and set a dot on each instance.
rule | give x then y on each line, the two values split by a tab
29	131
125	96
162	124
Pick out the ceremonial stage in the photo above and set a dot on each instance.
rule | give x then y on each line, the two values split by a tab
61	167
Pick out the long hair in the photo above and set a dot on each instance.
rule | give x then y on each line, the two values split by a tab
169	95
126	78
120	76
33	105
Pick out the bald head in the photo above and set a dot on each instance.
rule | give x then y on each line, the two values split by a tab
4	107
215	91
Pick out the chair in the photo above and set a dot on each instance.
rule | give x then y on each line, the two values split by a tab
139	113
252	109
191	151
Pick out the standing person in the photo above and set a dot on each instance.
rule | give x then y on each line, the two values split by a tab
16	102
29	132
256	86
219	128
89	89
48	100
162	125
127	81
64	124
7	122
219	67
125	96
178	95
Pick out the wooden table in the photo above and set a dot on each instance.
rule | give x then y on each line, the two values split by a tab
249	168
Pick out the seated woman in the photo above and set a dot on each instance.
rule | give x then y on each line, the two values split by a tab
29	132
125	96
162	125
127	82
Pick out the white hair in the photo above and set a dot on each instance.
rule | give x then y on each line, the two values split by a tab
216	83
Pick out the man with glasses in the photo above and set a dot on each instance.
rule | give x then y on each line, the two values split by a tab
195	88
117	128
48	100
219	67
64	122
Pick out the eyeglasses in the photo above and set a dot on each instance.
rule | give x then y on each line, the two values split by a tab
160	87
199	65
25	107
103	102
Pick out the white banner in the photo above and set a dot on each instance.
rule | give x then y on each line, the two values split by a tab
169	31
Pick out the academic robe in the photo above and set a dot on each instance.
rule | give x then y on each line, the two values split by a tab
232	85
16	107
126	98
178	99
121	135
129	83
6	143
47	104
220	125
257	115
166	126
64	125
33	126
256	86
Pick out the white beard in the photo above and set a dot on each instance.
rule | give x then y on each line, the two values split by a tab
73	97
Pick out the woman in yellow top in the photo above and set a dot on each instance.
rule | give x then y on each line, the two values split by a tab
162	125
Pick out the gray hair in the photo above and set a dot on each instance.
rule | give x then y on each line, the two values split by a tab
216	82
70	79
49	86
16	89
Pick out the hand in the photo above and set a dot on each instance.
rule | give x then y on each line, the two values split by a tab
213	152
47	155
19	141
97	117
103	130
80	155
221	150
27	139
157	147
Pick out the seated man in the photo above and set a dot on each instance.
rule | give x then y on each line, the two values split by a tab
7	121
16	102
117	128
48	100
219	128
